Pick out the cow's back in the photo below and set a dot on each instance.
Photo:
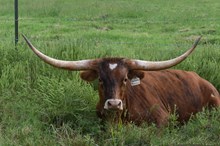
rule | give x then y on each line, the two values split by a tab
163	92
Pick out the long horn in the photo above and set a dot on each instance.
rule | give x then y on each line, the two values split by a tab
159	65
69	65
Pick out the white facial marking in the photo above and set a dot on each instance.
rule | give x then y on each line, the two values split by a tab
113	66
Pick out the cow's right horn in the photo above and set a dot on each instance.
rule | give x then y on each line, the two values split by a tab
135	64
69	65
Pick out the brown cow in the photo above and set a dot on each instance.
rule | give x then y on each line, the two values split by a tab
135	91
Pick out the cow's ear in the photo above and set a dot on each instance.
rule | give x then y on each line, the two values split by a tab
135	73
89	75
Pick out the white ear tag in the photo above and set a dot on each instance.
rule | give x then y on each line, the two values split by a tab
135	81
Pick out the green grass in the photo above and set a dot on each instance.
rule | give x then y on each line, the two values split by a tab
42	105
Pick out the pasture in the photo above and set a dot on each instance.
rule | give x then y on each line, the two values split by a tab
42	105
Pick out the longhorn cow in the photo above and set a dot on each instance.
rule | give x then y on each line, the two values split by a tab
142	91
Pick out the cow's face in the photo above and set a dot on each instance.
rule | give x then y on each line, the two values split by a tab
114	77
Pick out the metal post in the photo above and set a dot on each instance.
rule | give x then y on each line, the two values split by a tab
16	21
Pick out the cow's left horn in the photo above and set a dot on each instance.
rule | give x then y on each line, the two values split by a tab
69	65
159	65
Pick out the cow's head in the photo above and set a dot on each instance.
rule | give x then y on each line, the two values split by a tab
114	74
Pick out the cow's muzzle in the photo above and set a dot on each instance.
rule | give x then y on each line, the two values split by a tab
114	104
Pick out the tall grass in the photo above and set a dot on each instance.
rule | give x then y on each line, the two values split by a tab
42	105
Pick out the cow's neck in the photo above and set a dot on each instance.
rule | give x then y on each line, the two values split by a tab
135	109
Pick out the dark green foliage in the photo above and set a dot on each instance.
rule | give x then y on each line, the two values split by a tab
42	105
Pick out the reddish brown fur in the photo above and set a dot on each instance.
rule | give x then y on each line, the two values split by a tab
159	94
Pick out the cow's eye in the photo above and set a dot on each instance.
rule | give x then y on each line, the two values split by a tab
100	80
125	80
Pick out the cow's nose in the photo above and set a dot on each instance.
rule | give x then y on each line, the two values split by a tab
113	104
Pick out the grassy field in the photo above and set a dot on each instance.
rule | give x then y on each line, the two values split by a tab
42	105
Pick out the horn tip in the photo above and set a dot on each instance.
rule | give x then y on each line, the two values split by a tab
197	41
28	42
24	37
